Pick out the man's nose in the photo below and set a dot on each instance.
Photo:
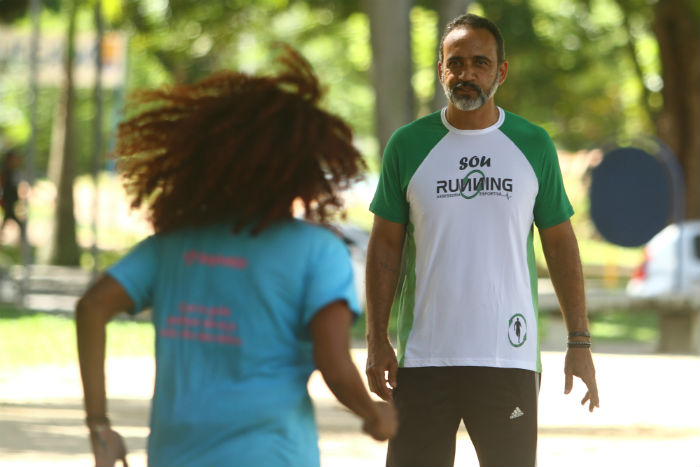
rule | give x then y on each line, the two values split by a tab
466	73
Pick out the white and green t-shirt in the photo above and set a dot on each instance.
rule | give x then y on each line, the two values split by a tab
469	199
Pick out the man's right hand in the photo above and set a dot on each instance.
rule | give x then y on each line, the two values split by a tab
381	369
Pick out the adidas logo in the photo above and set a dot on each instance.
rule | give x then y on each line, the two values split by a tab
516	413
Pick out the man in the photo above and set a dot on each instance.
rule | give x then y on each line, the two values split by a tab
458	194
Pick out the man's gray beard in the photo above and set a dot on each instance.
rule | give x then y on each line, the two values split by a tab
466	102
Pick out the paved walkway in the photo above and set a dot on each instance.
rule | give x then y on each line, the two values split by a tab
649	416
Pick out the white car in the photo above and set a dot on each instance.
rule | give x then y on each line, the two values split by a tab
671	263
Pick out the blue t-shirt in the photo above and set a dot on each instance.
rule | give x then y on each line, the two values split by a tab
233	351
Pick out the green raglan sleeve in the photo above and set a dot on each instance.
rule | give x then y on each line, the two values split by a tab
552	205
390	198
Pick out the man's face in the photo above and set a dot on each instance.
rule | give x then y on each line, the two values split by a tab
470	73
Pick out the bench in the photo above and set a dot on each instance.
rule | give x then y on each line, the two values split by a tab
44	288
679	315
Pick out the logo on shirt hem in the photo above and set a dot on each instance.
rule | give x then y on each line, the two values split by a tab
517	330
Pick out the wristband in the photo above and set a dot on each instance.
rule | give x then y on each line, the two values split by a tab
572	344
97	420
579	334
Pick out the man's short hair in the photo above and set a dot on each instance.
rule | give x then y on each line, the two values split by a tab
476	22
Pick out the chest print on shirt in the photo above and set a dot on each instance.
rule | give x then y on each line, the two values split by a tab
474	181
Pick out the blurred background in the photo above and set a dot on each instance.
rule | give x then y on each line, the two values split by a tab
596	74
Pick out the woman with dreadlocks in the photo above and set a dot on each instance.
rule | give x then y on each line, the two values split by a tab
246	299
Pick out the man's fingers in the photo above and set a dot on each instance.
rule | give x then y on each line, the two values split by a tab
593	401
592	394
393	380
568	383
371	381
586	398
384	392
580	364
593	391
377	384
382	368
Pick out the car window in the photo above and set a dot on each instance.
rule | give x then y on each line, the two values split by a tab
696	242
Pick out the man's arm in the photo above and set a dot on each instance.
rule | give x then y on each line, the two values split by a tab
104	300
561	252
382	274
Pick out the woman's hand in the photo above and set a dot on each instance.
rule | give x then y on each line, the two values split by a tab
107	446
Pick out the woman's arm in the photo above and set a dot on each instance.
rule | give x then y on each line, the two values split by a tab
104	299
330	332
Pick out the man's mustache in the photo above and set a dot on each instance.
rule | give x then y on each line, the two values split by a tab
467	84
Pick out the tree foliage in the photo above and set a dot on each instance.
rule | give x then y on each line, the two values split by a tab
571	70
590	71
13	10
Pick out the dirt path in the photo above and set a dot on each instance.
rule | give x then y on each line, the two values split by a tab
650	416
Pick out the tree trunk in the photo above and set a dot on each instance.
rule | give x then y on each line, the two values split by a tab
447	10
63	247
392	70
677	29
97	134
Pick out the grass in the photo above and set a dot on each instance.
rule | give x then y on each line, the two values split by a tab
609	326
625	326
31	339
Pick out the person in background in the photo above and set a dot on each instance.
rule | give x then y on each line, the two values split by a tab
10	188
458	194
246	299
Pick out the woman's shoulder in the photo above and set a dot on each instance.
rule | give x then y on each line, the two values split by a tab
311	230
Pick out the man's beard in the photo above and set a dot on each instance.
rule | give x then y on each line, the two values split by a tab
466	102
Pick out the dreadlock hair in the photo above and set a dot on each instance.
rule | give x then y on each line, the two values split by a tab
237	147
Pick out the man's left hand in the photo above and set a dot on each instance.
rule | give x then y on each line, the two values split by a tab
579	362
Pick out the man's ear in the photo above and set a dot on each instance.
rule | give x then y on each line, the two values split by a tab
439	71
503	70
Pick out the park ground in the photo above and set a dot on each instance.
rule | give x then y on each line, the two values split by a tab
649	415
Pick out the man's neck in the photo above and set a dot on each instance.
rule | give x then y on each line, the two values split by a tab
478	119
